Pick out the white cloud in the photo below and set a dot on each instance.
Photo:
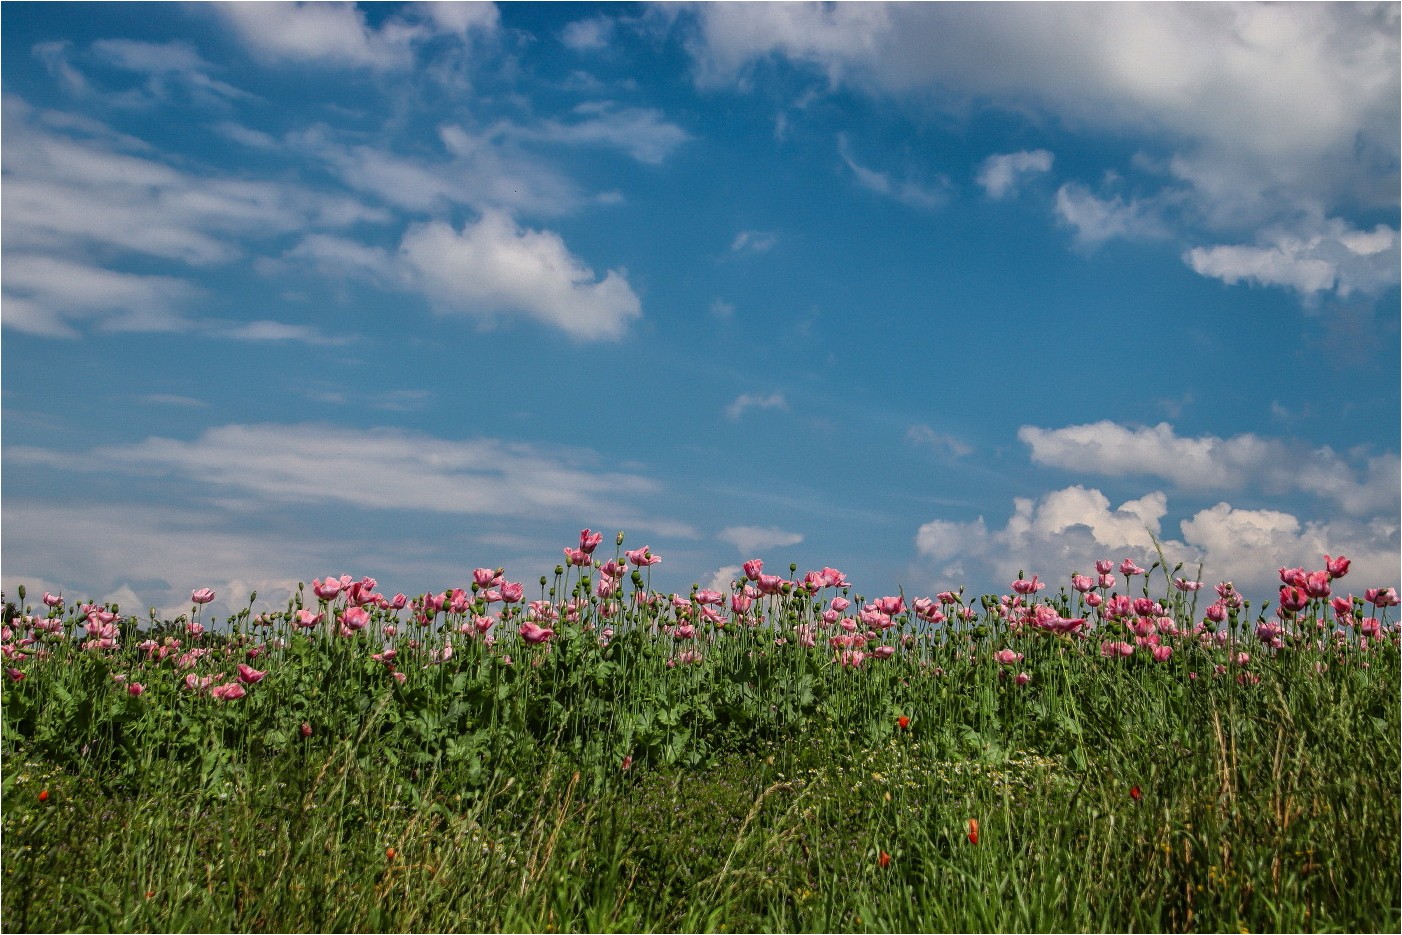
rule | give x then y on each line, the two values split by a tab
1001	174
1339	258
74	189
752	539
173	399
493	268
588	35
1097	220
478	171
724	577
166	62
1303	121
1308	83
940	442
746	401
1207	462
264	330
380	469
159	553
338	35
907	192
49	296
750	241
1067	530
643	133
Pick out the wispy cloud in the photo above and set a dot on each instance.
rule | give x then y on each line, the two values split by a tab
75	190
382	469
752	539
643	133
906	191
940	442
747	401
751	241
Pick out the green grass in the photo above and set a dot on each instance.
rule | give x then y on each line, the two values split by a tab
764	785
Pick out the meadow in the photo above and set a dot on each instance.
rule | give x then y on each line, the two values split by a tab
1125	750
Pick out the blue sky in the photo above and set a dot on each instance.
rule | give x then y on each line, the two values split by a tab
929	293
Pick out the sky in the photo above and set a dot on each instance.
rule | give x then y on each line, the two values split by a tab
931	293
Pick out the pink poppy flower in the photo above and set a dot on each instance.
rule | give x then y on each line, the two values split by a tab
1337	567
53	600
326	590
1022	678
355	618
589	541
249	675
230	691
642	557
1022	586
1293	599
1381	597
534	633
202	596
1317	584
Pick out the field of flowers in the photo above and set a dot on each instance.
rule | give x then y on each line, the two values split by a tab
1129	750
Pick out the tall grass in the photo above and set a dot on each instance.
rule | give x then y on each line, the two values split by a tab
619	785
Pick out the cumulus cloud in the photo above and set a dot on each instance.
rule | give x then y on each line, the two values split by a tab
1339	258
1209	463
1304	119
724	577
1001	174
751	539
1067	530
746	401
493	268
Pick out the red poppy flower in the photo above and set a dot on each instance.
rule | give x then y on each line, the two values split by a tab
883	859
390	853
902	722
1135	794
43	795
973	830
